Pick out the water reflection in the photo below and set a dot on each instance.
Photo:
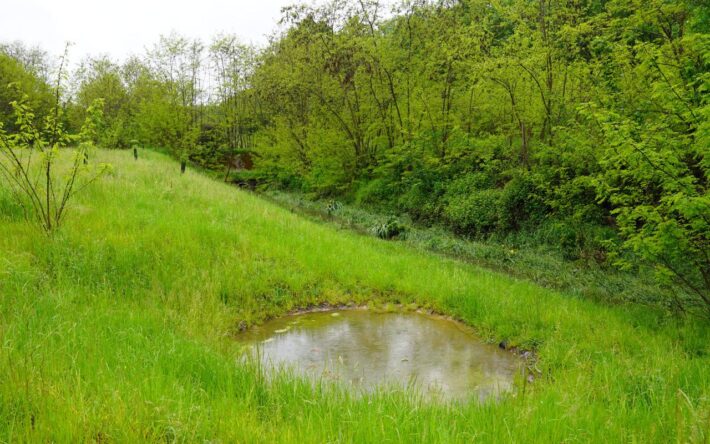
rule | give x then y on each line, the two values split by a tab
364	349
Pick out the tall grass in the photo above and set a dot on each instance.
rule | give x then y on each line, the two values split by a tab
119	328
537	256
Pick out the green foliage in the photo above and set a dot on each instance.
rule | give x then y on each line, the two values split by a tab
16	84
476	212
333	207
101	79
31	168
325	178
90	131
373	192
496	118
521	205
390	229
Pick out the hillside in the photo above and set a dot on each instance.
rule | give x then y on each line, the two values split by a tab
120	328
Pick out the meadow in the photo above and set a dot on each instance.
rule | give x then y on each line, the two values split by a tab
120	328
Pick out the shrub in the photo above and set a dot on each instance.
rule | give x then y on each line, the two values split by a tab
468	183
575	240
421	202
333	206
327	177
374	192
521	205
474	213
390	229
30	153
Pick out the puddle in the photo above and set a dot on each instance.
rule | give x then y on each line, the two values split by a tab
364	349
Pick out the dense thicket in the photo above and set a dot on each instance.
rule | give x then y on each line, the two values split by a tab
581	123
575	121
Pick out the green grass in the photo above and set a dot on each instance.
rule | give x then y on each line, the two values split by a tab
120	327
531	256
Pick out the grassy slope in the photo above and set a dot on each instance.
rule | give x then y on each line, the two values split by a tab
523	257
119	328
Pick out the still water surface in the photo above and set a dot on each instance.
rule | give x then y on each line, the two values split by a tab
365	349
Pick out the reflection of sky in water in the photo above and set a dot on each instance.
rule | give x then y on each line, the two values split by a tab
366	349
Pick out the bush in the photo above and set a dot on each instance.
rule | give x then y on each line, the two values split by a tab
30	154
421	202
474	213
573	239
390	229
373	192
279	177
521	205
326	178
468	183
333	206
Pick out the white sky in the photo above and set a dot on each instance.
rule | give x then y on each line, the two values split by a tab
123	27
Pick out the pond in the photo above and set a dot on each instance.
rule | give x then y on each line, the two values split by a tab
365	349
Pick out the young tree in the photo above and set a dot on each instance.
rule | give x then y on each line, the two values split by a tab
30	160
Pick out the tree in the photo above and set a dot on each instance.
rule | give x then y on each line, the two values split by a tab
656	161
176	62
30	160
235	108
17	82
100	78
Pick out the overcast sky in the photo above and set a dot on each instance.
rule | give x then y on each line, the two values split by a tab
123	27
